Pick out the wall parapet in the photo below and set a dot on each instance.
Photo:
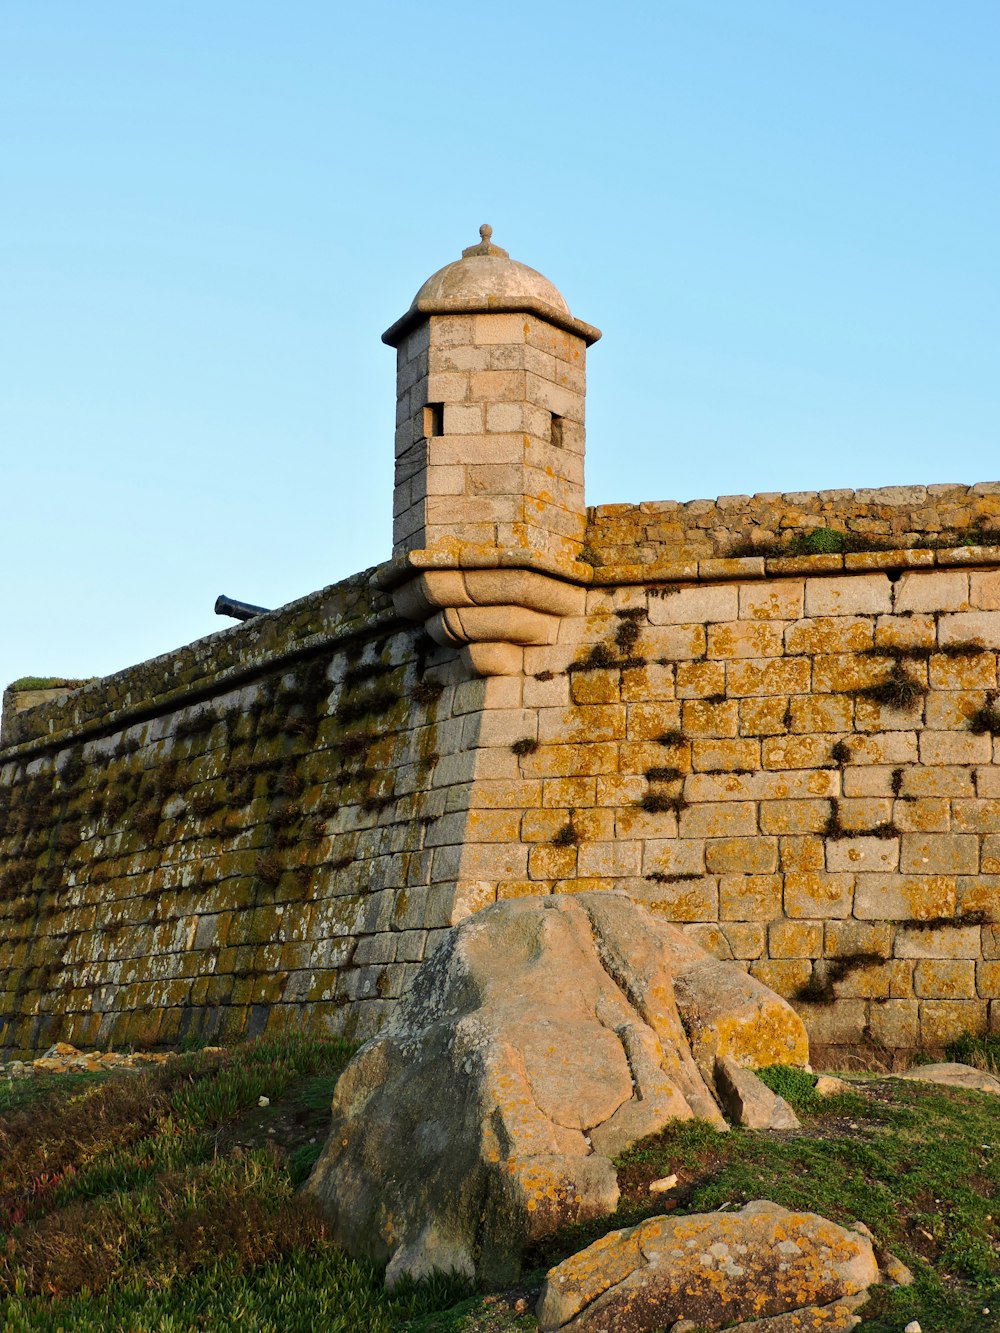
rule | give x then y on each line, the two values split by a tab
772	524
227	659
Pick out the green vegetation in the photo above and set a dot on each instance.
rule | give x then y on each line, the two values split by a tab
48	683
165	1200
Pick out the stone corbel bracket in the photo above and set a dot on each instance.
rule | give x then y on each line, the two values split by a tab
491	614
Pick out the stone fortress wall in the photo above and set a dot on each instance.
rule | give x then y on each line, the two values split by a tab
233	838
773	720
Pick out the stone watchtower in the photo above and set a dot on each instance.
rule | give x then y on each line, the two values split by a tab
489	514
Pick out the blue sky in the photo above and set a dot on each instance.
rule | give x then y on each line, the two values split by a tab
782	214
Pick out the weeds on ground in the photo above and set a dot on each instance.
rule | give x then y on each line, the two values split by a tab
165	1200
920	1165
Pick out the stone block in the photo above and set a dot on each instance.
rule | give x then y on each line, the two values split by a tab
912	631
551	863
673	856
950	710
794	816
746	856
980	894
872	780
895	1023
763	716
830	635
785	976
795	784
682	901
840	1024
863	854
596	687
805	751
938	941
767	676
870	981
822	712
843	938
708	936
801	853
944	1021
724	819
974	672
928	814
812	895
702	603
563	793
984	589
491	329
718	785
795	939
991	854
700	717
747	939
840	673
614	859
745	638
895	897
483	825
970	627
655	681
649	721
943	780
778	600
988	980
712	756
749	897
976	816
493	861
900	972
856	594
549	693
620	790
699	680
496	386
587	723
939	853
945	979
887	747
463	419
677	642
937	590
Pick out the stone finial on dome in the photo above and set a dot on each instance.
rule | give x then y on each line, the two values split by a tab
486	246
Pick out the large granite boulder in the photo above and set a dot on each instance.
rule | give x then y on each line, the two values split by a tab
540	1040
770	1267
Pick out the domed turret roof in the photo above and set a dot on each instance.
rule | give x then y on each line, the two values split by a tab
486	281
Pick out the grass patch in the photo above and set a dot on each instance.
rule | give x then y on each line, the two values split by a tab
919	1165
980	1052
165	1200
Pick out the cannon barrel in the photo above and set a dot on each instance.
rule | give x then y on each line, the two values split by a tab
229	606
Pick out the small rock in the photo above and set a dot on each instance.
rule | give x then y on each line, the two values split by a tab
263	1101
828	1086
912	1327
749	1101
893	1269
684	1326
59	1051
662	1185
